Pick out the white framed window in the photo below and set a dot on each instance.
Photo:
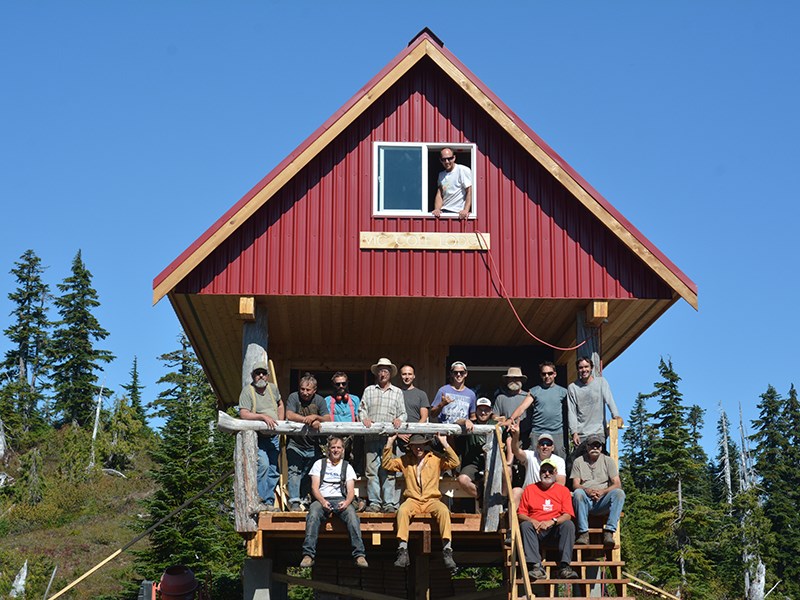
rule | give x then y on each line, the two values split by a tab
405	176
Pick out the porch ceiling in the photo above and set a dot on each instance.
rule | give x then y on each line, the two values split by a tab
331	328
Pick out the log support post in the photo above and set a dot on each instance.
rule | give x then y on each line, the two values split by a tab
493	483
245	494
255	337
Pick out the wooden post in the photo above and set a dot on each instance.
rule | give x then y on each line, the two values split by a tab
613	448
493	483
255	338
421	583
245	494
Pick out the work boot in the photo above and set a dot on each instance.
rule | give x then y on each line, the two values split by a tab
566	572
296	507
308	561
389	508
402	560
536	572
447	555
582	539
608	539
373	508
361	562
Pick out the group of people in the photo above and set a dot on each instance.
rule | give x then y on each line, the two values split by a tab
536	450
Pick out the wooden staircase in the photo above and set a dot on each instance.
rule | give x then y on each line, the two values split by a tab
599	568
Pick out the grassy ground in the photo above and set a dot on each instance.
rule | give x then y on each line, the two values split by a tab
75	527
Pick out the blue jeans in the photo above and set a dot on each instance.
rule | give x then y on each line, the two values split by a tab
610	503
381	488
267	475
317	516
300	464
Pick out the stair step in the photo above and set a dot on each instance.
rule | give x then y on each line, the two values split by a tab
521	581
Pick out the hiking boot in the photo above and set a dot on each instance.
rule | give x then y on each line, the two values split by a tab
308	561
373	508
388	508
361	562
447	556
296	507
361	505
536	572
582	539
402	560
272	508
608	539
566	572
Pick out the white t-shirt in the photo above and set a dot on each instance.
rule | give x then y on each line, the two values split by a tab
453	185
532	469
330	483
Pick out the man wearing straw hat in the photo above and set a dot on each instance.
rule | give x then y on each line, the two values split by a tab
381	403
421	467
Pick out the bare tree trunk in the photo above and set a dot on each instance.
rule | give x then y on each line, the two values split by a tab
681	557
726	459
755	572
96	424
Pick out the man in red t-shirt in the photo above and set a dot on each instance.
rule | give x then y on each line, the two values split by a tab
545	512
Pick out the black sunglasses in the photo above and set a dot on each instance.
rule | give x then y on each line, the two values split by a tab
545	443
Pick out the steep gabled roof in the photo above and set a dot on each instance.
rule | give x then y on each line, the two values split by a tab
426	44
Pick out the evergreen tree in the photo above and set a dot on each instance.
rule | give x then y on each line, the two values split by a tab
636	441
77	360
189	457
25	364
134	390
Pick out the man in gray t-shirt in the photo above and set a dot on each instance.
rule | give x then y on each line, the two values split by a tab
417	403
545	405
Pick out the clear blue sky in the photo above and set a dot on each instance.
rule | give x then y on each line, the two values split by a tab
127	128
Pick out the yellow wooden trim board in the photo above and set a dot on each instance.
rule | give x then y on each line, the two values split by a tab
389	240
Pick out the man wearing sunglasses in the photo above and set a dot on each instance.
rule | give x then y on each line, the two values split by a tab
455	401
548	409
343	408
531	459
545	513
454	191
597	490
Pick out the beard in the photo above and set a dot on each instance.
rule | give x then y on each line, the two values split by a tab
260	384
514	386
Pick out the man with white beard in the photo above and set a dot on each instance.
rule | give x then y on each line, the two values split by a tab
261	401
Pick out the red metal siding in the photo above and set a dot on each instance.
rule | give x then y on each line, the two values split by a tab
305	240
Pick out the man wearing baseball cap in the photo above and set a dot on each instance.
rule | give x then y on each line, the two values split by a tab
545	513
531	459
473	458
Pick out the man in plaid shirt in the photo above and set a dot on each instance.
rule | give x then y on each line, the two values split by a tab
381	403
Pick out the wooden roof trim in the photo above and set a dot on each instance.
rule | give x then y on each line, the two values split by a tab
576	185
280	175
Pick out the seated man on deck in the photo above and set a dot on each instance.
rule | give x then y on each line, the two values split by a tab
333	490
421	468
545	512
597	490
529	460
261	401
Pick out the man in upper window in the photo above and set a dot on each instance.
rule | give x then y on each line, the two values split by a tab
454	191
586	402
261	401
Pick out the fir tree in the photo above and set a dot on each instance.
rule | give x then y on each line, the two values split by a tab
77	360
189	457
636	441
26	363
134	389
